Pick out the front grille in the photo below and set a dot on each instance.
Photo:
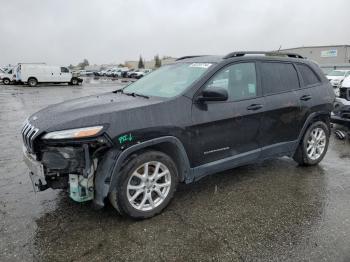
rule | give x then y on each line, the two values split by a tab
344	93
28	135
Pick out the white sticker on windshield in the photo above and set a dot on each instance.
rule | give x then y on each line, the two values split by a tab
201	65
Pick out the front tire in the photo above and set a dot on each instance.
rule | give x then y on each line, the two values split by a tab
74	81
314	145
6	81
145	186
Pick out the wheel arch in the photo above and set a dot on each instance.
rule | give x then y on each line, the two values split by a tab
110	166
323	116
32	77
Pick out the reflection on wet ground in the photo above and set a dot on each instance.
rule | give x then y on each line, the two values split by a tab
269	211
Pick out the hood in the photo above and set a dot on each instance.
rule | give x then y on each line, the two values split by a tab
346	82
86	111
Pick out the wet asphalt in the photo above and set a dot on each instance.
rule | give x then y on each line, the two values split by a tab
272	211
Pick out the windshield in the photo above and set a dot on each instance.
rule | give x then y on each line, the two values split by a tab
336	73
169	80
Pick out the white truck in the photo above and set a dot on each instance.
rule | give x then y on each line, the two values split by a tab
32	74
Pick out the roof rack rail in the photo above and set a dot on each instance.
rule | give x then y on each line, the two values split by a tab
266	53
188	56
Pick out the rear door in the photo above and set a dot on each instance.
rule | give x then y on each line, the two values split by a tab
229	129
311	92
280	84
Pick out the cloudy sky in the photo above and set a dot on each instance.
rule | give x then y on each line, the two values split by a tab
105	31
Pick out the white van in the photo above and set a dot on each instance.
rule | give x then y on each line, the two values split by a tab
32	74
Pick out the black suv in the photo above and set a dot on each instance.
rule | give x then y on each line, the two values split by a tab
195	117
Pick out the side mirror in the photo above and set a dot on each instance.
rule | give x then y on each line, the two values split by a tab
213	94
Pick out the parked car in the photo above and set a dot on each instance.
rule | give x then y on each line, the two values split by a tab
6	76
140	73
129	73
109	72
99	73
116	73
186	120
6	68
86	73
341	113
32	74
125	73
336	77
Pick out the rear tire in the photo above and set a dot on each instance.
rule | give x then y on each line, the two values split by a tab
145	185
32	82
314	144
6	81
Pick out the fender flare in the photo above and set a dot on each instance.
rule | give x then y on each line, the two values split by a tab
107	171
309	120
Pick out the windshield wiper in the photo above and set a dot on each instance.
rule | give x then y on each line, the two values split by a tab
129	94
119	91
135	94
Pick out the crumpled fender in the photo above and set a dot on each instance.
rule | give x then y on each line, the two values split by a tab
103	174
108	169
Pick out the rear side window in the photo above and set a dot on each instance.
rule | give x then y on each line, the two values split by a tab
309	77
278	77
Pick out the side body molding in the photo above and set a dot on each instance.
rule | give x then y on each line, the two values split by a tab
110	166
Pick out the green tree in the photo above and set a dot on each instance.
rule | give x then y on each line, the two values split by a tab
83	64
157	62
141	64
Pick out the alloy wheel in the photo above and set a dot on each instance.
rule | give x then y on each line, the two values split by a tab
149	185
316	143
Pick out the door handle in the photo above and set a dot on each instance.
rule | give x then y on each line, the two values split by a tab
255	107
305	97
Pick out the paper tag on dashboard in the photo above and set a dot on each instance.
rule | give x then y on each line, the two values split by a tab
201	65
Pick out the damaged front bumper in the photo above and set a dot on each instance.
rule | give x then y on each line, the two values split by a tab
67	175
73	168
36	171
341	113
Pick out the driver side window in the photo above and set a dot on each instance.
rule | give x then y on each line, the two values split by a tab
239	80
64	70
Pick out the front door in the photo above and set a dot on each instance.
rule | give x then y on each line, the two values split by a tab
229	129
65	75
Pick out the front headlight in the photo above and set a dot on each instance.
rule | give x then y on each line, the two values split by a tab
74	133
